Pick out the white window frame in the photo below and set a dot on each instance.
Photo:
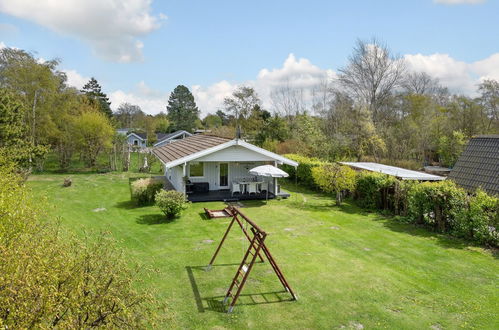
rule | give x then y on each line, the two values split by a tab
197	177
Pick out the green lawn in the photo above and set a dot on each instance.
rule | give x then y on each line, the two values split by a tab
348	268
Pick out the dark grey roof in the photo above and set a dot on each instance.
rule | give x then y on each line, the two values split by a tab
143	136
162	136
478	166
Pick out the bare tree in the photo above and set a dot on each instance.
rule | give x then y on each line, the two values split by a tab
127	114
421	83
288	101
372	73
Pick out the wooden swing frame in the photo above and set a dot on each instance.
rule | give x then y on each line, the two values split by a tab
256	246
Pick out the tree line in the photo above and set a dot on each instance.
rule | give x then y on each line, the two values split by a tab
375	109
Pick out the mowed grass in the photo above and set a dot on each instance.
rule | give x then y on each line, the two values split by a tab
349	268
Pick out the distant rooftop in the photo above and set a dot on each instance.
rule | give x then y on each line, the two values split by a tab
398	172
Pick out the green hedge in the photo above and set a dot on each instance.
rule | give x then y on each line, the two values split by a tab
441	206
144	190
303	172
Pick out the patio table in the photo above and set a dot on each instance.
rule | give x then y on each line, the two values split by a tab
245	184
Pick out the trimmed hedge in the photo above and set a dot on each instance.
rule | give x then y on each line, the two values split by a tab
441	206
143	191
303	172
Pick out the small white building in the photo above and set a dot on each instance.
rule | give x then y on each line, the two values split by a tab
215	168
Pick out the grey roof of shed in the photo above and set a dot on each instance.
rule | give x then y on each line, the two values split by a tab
165	136
188	146
398	172
478	165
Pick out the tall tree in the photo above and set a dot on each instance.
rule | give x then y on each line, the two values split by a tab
94	92
14	142
182	109
372	74
489	98
242	104
93	134
128	115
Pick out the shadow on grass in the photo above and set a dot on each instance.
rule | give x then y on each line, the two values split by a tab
204	216
154	219
216	304
443	240
127	205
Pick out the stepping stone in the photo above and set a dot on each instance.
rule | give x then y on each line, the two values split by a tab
334	227
288	229
99	209
208	241
367	249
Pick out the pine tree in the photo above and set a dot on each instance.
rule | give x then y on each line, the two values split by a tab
182	109
93	91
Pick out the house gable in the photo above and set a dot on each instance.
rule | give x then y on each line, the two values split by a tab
235	153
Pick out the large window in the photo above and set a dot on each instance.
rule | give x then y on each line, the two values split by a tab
196	169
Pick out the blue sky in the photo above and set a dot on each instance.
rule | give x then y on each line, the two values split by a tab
140	50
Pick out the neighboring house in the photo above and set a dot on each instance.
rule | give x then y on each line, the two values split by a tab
478	165
163	139
133	139
137	139
215	168
398	172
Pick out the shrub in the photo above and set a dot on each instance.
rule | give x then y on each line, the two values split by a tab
144	190
334	178
50	279
437	204
373	190
171	202
303	172
480	222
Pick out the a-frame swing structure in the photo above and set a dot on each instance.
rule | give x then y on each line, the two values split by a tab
256	246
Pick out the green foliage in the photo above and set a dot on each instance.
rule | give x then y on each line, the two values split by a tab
93	91
51	279
372	189
437	204
182	109
334	178
93	134
303	173
171	202
14	141
480	221
144	190
451	147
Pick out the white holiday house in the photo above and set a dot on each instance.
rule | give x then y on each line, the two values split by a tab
209	167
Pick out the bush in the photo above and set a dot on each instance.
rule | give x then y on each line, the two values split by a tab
144	190
480	222
437	204
171	202
303	172
373	190
50	279
334	178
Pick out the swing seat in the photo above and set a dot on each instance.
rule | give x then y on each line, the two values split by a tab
225	213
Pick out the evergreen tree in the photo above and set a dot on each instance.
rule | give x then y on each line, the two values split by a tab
93	91
182	109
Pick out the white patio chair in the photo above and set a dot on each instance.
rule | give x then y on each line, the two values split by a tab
252	188
236	188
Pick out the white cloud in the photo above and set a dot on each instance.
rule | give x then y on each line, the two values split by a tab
458	76
111	27
2	45
459	2
297	74
75	79
149	100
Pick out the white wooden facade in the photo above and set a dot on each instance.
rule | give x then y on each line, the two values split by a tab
239	159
